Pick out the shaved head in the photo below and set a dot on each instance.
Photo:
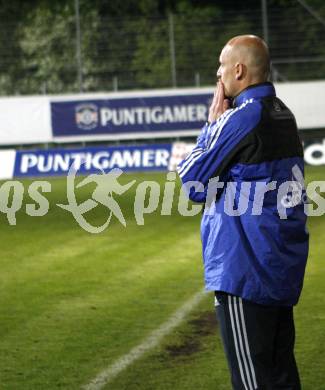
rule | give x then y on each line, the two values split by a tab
253	52
244	61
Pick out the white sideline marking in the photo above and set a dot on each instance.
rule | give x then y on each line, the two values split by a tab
150	342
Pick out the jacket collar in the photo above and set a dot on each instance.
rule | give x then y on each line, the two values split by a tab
256	91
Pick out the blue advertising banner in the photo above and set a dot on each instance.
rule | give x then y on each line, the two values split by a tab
129	115
90	160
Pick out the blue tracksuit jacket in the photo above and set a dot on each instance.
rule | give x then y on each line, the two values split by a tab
254	237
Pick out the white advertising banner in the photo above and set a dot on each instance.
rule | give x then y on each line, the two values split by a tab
306	100
134	115
25	120
130	158
7	164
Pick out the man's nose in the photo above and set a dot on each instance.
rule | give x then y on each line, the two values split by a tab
218	74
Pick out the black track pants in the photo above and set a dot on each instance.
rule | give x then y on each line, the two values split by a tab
258	342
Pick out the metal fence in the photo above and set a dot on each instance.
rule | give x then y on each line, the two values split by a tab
83	52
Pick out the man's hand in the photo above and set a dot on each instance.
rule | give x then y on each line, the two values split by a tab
219	104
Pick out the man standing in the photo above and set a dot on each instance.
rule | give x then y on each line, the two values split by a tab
254	237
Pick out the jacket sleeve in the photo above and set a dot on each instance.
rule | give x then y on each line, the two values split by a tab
215	149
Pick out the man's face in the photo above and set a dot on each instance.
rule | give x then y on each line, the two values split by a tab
227	72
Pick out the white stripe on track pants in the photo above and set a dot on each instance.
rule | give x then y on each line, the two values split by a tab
259	344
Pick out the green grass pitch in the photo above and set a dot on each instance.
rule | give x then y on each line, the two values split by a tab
72	303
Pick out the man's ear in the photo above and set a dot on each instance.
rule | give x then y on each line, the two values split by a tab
240	71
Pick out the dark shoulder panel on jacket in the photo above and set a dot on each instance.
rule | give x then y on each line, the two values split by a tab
275	137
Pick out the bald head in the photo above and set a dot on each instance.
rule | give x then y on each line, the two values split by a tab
253	52
244	61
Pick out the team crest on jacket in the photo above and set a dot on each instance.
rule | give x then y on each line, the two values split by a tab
86	116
